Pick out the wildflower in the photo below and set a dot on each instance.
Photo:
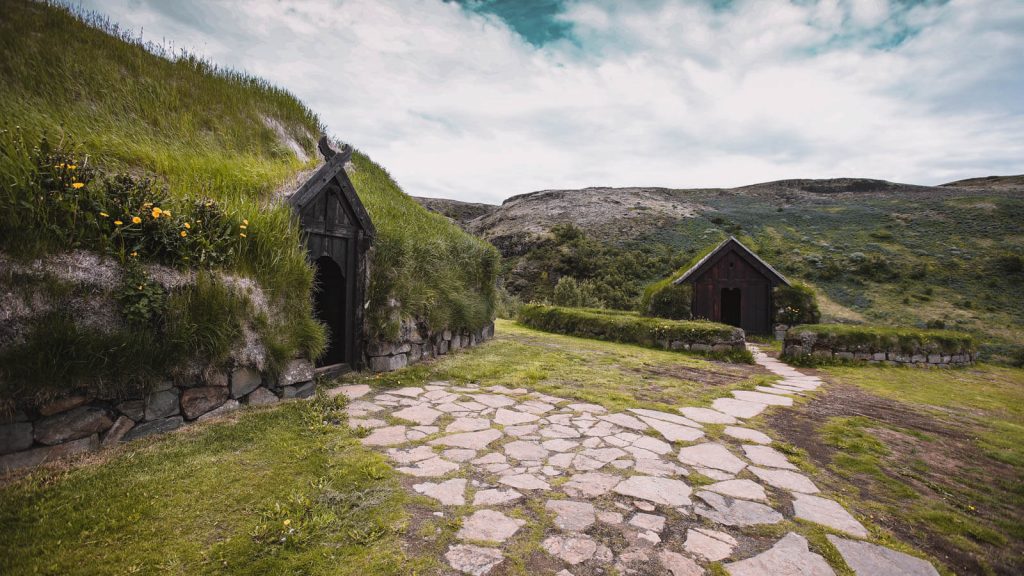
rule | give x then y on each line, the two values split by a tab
242	234
134	254
243	226
167	214
118	222
77	185
287	521
244	221
156	213
136	220
183	233
147	204
140	286
72	166
104	214
187	225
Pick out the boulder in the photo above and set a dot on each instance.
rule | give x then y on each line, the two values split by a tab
388	363
304	390
198	401
134	409
261	397
162	404
229	406
15	437
63	404
117	432
296	371
72	425
37	456
153	427
244	380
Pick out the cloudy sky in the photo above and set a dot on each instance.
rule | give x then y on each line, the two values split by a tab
481	99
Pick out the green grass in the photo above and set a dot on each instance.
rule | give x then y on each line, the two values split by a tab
619	326
886	338
270	492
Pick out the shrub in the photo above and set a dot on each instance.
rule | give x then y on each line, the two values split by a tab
795	304
667	300
620	326
576	294
868	338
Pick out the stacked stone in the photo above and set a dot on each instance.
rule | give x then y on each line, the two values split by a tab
415	345
79	423
807	345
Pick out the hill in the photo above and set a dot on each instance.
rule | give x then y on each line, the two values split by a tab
875	250
142	235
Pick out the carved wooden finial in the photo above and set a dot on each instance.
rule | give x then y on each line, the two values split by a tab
325	147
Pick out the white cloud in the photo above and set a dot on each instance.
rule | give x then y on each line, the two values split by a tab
672	94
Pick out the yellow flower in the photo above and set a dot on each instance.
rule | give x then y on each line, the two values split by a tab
183	233
156	213
242	235
167	214
136	220
287	522
104	214
77	185
147	204
72	166
134	254
187	225
118	222
243	226
244	221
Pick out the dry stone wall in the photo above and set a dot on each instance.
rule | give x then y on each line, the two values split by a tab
807	345
416	343
77	424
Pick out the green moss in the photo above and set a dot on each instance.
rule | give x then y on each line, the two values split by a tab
868	338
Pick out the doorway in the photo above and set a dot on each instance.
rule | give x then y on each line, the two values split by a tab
330	309
731	306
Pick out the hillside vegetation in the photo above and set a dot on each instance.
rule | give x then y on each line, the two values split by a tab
142	233
878	252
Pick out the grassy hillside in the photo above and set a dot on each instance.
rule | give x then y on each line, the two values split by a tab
113	147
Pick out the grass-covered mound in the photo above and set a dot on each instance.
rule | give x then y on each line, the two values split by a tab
153	176
867	339
620	326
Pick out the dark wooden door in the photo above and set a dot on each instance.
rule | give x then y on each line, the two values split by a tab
732	291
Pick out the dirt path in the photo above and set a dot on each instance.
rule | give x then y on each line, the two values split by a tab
532	483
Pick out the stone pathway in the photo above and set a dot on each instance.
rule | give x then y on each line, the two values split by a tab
642	491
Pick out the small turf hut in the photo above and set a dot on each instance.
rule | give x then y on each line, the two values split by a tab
732	285
338	232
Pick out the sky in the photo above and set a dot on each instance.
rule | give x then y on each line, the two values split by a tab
478	100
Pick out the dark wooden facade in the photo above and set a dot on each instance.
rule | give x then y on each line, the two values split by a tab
338	232
733	286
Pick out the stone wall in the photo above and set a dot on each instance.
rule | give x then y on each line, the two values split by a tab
416	343
807	345
739	343
77	424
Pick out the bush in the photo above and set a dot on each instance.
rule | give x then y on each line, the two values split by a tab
576	294
620	326
667	300
795	304
881	338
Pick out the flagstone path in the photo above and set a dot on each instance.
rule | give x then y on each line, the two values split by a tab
642	491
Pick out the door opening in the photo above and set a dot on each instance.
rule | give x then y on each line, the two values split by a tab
330	309
731	306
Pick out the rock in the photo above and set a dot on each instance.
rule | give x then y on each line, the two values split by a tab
827	513
673	432
151	427
523	450
511	417
71	425
449	493
571	549
351	391
37	456
732	512
635	562
679	565
591	408
295	372
869	559
304	390
747	435
667	491
386	436
198	401
494	496
707	415
738	408
626	421
665	417
745	489
572	516
711	455
459	454
606	517
215	378
244	380
63	404
651	522
468	424
261	397
422	415
430	468
711	545
161	404
225	408
15	437
591	484
762	398
524	482
117	432
134	409
388	363
493	400
788	557
785	480
471	440
489	526
474	560
767	456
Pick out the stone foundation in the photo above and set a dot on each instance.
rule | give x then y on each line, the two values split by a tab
808	346
417	344
77	424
